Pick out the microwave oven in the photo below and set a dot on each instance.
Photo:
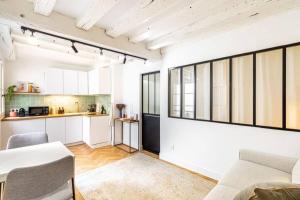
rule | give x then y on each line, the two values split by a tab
38	110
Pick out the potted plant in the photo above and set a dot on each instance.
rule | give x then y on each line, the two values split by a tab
10	92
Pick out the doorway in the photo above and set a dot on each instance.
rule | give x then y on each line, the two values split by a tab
151	112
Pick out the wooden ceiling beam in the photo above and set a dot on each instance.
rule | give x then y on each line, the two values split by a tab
141	13
230	16
21	12
44	7
6	45
96	10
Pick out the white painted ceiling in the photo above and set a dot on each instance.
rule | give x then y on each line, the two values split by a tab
160	23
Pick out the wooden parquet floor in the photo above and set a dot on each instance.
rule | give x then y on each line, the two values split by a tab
87	159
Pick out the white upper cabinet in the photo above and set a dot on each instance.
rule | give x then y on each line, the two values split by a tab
70	82
54	81
100	81
93	82
83	88
105	80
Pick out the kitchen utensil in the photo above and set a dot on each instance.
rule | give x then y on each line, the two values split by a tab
22	112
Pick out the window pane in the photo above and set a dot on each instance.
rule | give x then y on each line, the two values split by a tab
157	93
151	93
293	87
188	92
145	94
203	91
175	93
221	90
269	88
242	89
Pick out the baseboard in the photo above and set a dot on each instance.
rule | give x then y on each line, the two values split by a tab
190	166
74	144
94	146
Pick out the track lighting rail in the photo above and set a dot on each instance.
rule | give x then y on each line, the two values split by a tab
32	30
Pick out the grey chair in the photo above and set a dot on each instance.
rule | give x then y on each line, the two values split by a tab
27	139
51	181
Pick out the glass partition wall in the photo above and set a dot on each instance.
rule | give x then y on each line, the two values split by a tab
221	90
175	93
203	91
260	89
188	92
293	87
242	89
269	88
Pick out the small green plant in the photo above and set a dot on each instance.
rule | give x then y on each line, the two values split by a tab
10	92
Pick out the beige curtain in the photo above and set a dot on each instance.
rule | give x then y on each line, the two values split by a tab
175	93
242	89
293	87
221	90
269	88
203	91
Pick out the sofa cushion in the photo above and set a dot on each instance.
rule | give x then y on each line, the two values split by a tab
222	192
248	192
244	174
277	194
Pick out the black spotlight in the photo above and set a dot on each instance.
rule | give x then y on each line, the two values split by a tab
74	48
124	61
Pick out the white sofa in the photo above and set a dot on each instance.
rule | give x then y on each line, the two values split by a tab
252	168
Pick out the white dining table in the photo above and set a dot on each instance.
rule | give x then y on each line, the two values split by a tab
30	156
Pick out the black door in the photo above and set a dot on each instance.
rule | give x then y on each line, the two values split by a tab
151	112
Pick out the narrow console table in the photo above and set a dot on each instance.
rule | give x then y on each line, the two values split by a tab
128	148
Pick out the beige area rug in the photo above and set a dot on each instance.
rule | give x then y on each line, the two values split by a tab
141	177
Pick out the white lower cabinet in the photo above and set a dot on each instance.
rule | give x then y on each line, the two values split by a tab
96	131
73	129
56	129
9	128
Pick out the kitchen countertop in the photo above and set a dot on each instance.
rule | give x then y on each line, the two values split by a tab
54	115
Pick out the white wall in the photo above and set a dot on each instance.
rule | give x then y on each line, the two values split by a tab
127	82
211	148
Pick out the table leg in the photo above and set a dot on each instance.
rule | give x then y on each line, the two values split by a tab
1	189
138	125
129	137
114	127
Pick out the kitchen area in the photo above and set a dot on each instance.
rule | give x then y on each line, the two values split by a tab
72	105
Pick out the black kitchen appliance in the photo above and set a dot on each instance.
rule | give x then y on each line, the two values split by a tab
38	110
92	108
22	112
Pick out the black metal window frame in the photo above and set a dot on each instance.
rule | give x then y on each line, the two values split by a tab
253	53
147	74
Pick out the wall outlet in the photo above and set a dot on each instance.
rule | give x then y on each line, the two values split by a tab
172	147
